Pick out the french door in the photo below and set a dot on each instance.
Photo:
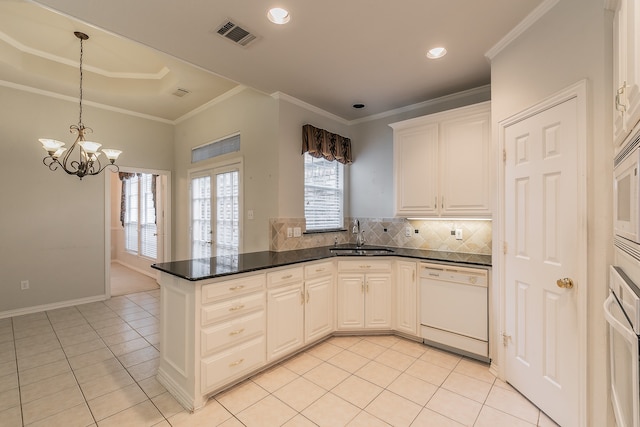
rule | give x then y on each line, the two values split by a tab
215	212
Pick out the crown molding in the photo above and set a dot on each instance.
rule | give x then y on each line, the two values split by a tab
218	99
523	26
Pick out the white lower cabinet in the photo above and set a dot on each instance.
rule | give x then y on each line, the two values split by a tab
407	318
285	307
364	294
319	308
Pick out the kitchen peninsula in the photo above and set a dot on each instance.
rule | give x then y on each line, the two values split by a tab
225	318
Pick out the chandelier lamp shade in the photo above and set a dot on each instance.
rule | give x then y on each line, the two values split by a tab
83	157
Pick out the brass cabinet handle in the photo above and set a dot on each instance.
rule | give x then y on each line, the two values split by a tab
288	276
319	270
236	363
236	288
565	283
301	297
307	297
237	331
236	307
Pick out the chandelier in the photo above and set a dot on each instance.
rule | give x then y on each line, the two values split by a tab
83	157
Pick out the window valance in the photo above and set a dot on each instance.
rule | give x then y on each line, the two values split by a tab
330	146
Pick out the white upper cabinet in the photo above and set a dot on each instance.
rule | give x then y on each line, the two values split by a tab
442	164
626	68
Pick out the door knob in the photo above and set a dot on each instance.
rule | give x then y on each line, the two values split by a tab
566	283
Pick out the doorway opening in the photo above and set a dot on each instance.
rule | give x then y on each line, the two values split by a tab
139	229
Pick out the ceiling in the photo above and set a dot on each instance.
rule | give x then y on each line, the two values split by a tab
332	54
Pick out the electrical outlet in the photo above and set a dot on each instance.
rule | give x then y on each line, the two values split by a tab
458	233
24	285
297	232
407	231
250	214
289	232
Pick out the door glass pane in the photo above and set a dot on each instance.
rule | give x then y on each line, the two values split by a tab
201	217
227	214
131	215
148	229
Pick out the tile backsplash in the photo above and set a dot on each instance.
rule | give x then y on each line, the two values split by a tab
423	234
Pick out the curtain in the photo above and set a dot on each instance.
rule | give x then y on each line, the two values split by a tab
123	194
330	146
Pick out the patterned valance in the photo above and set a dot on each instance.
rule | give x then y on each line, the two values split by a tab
321	143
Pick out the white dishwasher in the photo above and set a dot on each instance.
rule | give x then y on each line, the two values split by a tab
454	309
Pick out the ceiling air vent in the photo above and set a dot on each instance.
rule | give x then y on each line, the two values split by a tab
232	31
180	92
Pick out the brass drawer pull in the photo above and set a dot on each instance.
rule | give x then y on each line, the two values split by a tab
236	307
319	270
236	288
288	276
236	363
236	332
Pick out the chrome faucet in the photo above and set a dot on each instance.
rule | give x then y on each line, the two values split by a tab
359	233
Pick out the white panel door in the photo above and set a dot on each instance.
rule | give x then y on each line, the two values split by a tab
319	308
350	301
377	301
285	320
407	298
542	232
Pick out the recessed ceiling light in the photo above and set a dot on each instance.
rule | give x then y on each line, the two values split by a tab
436	52
358	106
278	15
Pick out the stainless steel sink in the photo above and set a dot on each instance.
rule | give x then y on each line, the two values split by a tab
361	251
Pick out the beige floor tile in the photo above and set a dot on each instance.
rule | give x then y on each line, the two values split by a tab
475	369
326	375
302	363
121	337
106	384
69	323
545	421
31	362
300	393
7	356
83	348
365	419
367	349
212	414
138	356
167	404
76	330
395	359
7	346
383	340
129	346
76	416
241	396
136	315
490	417
9	399
410	348
6	336
101	324
29	347
91	358
467	386
153	339
232	422
348	361
378	373
413	388
454	406
77	339
429	418
148	330
144	370
43	372
51	405
441	358
142	414
344	341
394	409
331	411
357	391
8	382
324	350
40	331
429	372
274	378
298	421
266	412
114	329
100	369
11	417
57	384
147	321
111	403
513	403
152	387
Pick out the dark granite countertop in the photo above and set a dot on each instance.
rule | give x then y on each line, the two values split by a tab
208	268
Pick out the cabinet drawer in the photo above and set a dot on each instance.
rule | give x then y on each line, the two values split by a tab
283	277
231	332
231	363
318	270
364	265
233	307
228	288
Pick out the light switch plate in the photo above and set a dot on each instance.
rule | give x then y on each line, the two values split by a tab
289	232
458	233
297	232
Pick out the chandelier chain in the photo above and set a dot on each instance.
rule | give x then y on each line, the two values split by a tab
81	55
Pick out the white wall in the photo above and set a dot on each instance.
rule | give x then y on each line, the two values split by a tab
52	231
570	43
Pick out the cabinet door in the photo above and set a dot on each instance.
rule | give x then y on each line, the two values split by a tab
350	301
416	170
407	298
465	147
318	313
378	301
285	323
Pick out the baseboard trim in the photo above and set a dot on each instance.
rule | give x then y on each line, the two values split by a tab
52	306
